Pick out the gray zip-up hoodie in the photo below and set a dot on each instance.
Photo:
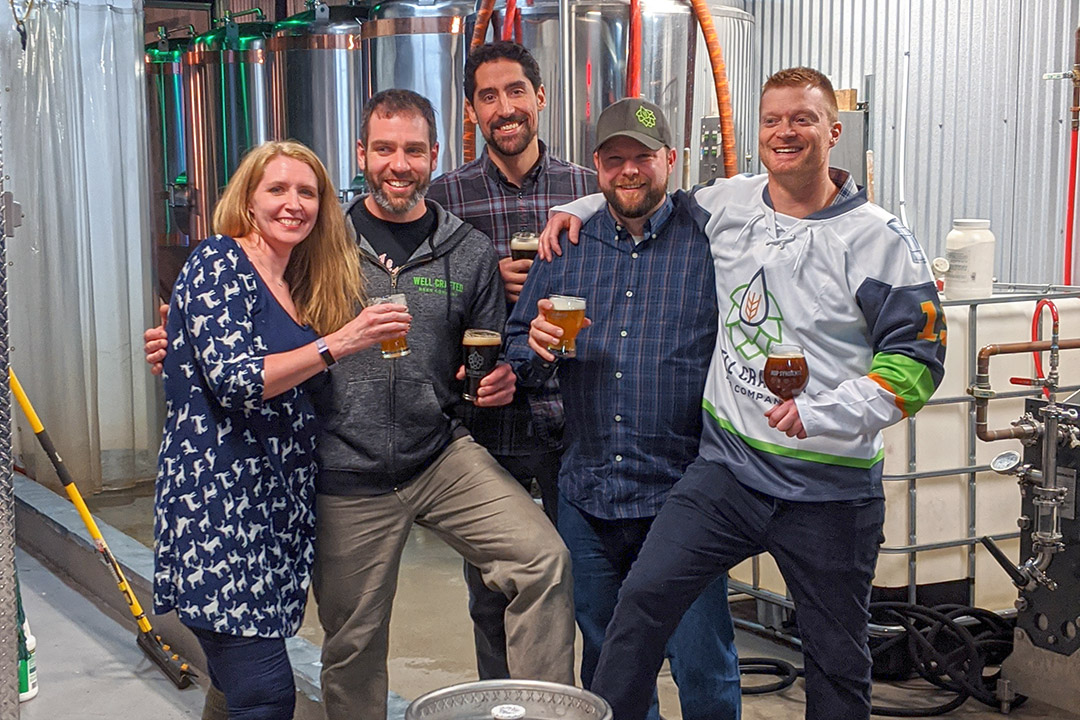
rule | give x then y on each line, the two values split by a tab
384	421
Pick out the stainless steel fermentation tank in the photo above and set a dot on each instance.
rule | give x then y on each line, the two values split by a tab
675	72
316	70
420	45
228	106
167	135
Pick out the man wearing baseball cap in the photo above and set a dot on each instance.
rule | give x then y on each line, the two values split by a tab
632	395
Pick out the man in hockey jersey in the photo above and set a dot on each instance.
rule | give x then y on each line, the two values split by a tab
801	257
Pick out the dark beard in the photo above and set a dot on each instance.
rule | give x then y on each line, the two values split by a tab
516	147
653	196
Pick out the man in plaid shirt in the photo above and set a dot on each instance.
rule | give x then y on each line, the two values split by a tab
508	190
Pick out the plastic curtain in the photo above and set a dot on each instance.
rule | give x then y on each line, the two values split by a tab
80	288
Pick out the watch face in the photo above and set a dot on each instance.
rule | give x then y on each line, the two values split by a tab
1005	462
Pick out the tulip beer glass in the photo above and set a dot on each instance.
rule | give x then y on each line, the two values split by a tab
568	312
786	372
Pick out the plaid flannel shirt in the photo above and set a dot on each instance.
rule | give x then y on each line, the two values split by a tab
480	194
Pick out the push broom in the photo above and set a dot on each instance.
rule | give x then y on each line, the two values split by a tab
174	667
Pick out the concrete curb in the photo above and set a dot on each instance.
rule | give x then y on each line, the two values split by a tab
48	527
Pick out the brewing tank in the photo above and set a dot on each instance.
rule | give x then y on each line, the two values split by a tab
316	69
166	124
675	73
420	45
229	106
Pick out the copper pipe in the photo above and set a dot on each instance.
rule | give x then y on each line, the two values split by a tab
723	91
982	382
483	17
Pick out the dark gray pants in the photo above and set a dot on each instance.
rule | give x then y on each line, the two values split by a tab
826	552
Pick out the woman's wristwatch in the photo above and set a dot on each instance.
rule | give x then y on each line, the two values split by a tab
324	353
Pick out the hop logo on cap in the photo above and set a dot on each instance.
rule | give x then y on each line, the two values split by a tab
646	117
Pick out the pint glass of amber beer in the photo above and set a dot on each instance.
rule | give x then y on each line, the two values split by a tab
568	312
524	246
786	373
479	353
398	347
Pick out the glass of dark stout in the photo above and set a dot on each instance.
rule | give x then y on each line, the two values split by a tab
786	372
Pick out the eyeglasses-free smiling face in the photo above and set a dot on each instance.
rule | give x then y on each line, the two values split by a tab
398	161
796	131
285	204
632	177
505	106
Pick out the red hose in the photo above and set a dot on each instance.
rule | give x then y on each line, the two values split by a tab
633	56
1035	335
1070	212
508	20
723	92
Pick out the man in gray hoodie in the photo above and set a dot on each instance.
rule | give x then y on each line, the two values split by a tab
392	452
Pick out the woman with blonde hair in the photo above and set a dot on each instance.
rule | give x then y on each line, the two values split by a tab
267	304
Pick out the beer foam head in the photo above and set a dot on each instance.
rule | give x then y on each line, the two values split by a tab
566	303
785	351
525	241
481	337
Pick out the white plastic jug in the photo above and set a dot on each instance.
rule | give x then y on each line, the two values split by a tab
969	248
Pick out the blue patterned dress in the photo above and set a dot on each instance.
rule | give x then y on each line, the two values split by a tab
234	517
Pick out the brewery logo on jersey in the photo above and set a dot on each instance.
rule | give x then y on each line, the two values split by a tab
753	321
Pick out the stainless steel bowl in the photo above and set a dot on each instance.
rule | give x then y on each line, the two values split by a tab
509	700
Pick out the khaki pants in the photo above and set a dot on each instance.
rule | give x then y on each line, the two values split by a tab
470	502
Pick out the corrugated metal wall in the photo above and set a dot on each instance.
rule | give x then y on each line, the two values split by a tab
985	135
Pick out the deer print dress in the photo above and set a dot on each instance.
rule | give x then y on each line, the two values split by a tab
234	518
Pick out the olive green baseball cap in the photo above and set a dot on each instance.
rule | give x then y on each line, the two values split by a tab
634	118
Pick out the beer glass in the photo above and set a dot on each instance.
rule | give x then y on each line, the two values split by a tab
398	347
524	245
786	372
568	312
479	353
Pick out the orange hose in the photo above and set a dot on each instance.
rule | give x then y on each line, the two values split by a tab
633	57
468	135
723	92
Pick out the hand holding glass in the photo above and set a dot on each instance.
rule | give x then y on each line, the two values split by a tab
786	372
398	347
568	313
479	354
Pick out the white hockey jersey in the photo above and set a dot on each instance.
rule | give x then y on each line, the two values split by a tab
851	286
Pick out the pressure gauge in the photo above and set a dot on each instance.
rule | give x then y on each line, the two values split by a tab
1006	463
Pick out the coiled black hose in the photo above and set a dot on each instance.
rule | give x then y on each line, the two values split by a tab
948	655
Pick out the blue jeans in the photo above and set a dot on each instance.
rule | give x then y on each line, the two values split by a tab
704	663
253	672
826	552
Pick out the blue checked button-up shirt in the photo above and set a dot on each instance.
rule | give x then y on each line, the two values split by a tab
480	194
632	395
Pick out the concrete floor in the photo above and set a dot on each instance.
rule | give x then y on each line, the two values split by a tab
431	636
88	665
